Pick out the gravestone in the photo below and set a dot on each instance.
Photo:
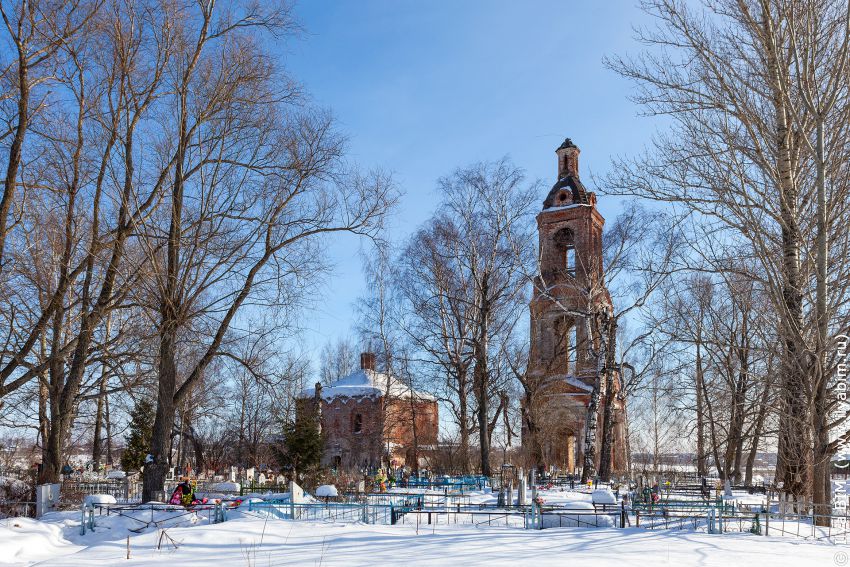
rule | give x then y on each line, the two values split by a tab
296	496
249	474
46	498
521	499
233	472
261	479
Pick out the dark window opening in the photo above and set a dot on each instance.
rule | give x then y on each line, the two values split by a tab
358	423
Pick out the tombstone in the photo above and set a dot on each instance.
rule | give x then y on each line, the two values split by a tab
261	480
296	493
535	519
249	474
169	473
280	479
46	498
233	472
509	497
296	496
361	486
521	496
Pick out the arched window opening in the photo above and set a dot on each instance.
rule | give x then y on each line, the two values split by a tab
570	260
564	241
358	423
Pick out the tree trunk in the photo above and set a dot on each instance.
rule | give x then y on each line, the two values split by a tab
97	441
15	149
792	469
154	472
591	420
481	385
701	454
605	457
463	404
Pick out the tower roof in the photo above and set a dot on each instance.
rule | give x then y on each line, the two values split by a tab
570	184
568	143
568	190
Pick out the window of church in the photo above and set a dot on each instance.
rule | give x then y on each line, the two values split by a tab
358	423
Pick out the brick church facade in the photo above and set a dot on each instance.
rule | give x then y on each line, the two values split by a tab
371	419
563	357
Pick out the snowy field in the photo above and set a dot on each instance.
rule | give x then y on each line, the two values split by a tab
179	538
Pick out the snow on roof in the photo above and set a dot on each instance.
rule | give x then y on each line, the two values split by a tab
565	207
573	381
365	384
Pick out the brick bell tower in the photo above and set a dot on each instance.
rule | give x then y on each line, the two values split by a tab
562	362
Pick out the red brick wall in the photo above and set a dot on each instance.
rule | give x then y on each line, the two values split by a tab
354	450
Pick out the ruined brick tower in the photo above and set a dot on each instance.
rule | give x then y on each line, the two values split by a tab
562	360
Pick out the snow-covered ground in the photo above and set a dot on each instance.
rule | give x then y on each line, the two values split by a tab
247	538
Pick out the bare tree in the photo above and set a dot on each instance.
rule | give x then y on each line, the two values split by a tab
463	276
254	184
736	78
337	359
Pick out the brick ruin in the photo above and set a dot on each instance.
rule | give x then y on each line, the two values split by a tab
562	362
371	419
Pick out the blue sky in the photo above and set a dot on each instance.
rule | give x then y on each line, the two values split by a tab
421	88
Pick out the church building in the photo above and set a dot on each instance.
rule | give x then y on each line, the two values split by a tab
371	419
564	350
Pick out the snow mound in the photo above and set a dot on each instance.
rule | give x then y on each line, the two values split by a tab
226	487
116	474
327	491
579	505
92	499
603	496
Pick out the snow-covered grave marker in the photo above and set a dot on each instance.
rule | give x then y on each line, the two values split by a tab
327	491
233	472
261	479
249	474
